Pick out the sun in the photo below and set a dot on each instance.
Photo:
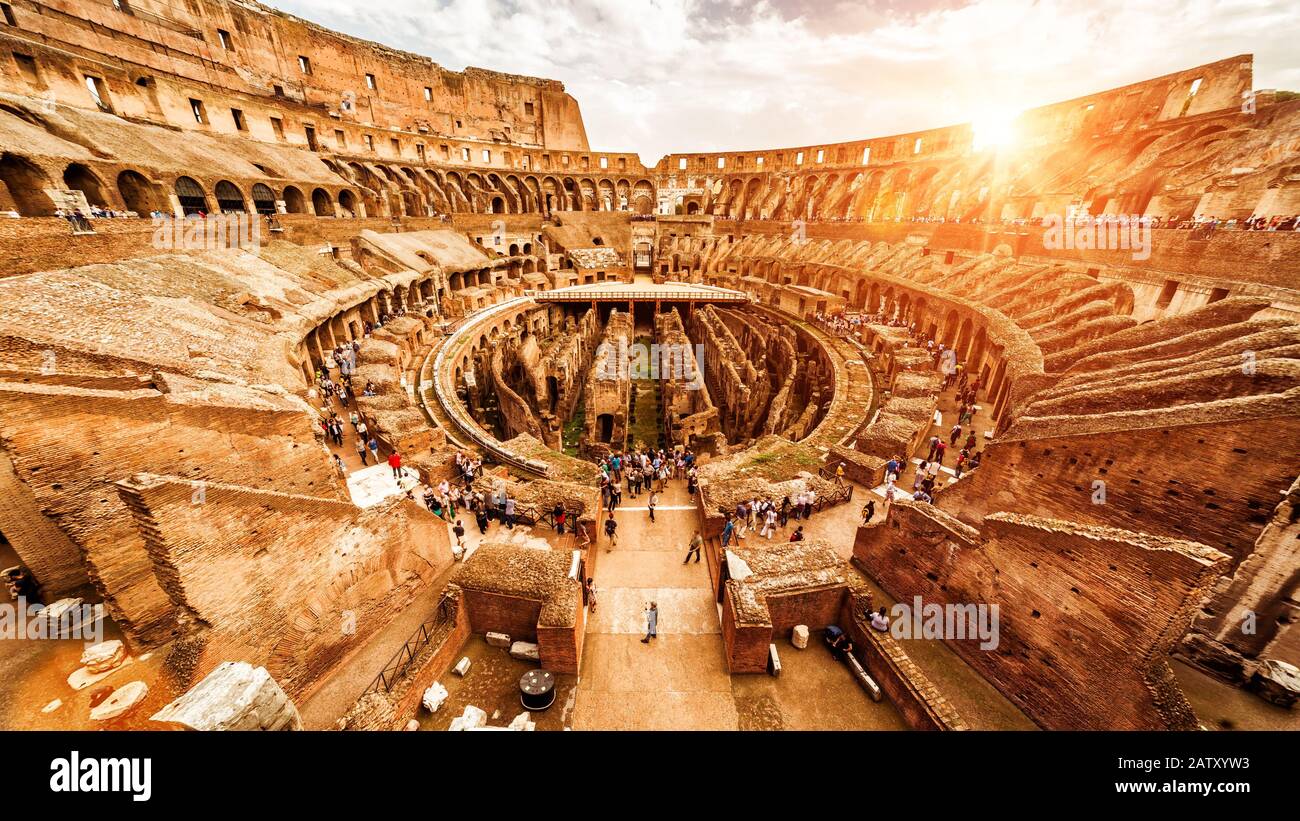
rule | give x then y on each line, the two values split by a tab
995	130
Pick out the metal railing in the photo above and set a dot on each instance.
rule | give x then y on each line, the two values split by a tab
427	633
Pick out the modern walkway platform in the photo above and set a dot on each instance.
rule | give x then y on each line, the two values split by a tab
643	292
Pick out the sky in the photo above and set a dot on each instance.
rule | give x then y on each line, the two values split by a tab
668	76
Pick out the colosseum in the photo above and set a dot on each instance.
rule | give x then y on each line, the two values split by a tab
341	390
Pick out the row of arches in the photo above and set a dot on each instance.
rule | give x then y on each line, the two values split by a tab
28	185
422	191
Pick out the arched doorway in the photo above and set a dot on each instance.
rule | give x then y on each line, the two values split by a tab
191	196
77	177
294	202
321	203
26	184
139	195
348	203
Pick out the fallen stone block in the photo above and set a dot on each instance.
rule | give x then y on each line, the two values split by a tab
799	638
472	719
523	722
123	700
525	651
105	656
234	696
498	640
773	661
462	666
1277	681
412	726
434	697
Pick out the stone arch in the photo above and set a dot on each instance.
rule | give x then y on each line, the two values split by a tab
263	198
192	197
229	197
348	203
294	202
79	177
26	183
139	194
321	203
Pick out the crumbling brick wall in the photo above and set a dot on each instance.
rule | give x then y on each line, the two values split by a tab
1087	615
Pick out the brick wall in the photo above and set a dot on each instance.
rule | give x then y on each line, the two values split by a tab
1087	616
1214	483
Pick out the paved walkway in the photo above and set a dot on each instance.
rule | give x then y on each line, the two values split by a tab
679	681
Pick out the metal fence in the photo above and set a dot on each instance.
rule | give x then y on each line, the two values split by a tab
432	631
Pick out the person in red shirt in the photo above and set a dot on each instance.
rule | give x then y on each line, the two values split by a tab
395	462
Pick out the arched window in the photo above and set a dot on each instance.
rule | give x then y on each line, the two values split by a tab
263	199
190	193
229	197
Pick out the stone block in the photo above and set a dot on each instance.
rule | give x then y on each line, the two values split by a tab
498	640
234	696
105	656
525	651
434	697
523	722
472	719
799	638
123	700
773	661
1277	681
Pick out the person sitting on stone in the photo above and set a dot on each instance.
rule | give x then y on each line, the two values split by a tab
880	621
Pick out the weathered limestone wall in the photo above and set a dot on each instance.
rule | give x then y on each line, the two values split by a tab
1087	615
68	444
217	559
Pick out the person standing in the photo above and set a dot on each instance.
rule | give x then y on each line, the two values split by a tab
868	511
459	530
361	451
697	542
395	462
510	512
652	623
727	528
611	531
769	523
650	505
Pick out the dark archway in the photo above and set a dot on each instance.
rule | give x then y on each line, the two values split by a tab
77	177
294	202
26	184
140	195
321	203
263	199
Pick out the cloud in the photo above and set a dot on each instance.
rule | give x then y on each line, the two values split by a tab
707	75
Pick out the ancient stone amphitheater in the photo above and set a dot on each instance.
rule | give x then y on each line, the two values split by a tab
206	208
